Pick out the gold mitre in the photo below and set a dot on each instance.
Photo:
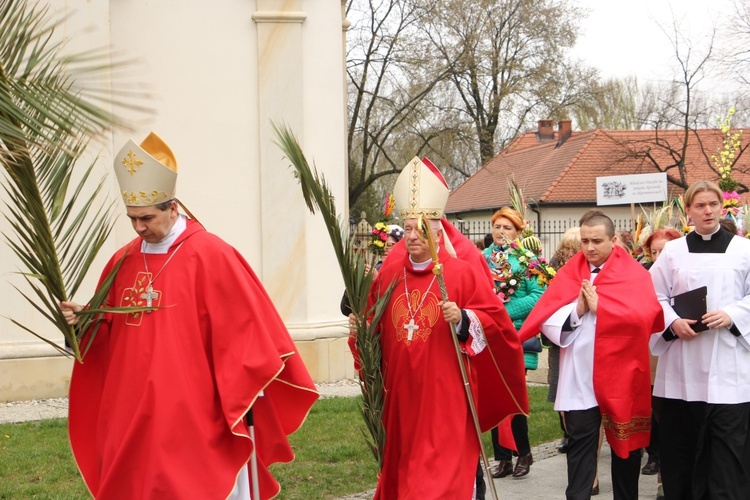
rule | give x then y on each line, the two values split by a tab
420	190
147	174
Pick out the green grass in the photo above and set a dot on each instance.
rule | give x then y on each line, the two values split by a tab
36	462
332	457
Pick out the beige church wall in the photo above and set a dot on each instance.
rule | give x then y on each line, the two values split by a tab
29	368
217	75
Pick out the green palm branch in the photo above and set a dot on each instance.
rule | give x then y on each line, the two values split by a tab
47	120
357	281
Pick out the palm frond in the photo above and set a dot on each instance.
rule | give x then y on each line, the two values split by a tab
357	281
47	121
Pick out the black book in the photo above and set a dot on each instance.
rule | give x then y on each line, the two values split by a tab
691	305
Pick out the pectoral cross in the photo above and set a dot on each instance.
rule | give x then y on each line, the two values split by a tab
411	327
150	295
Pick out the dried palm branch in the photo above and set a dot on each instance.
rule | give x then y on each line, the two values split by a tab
640	231
516	197
660	217
46	123
357	281
682	216
653	220
518	202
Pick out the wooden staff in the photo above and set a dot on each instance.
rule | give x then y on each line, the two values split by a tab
255	494
425	234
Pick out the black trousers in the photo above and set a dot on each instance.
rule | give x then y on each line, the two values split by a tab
520	427
653	444
705	450
583	434
480	484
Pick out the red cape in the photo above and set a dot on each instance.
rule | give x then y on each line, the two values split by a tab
627	314
499	364
157	407
431	438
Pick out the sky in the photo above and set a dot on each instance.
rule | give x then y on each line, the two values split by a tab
624	38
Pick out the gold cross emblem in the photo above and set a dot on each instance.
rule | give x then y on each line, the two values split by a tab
141	294
131	162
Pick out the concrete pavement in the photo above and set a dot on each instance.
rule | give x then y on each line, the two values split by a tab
548	478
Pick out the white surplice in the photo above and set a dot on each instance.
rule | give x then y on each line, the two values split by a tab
715	366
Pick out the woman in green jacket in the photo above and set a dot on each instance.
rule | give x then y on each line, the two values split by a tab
520	293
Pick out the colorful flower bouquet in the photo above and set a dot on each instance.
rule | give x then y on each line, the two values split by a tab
378	237
379	234
731	205
507	281
540	268
534	264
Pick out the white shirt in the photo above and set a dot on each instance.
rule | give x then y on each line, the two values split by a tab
575	387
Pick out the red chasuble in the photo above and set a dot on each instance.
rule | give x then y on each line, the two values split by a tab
627	314
157	407
431	446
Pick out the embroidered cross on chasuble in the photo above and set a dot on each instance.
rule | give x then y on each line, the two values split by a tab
409	329
139	295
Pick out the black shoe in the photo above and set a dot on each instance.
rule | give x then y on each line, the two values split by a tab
595	490
523	465
502	468
564	445
651	468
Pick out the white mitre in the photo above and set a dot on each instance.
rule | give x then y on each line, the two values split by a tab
420	190
147	174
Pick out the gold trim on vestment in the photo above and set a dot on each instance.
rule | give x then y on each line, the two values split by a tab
623	430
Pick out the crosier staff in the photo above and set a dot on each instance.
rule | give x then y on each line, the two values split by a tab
425	234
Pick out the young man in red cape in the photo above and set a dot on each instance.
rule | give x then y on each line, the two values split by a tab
159	407
601	309
432	446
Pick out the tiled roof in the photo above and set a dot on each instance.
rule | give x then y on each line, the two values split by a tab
549	174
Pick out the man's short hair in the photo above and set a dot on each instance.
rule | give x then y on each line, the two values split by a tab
699	187
164	205
598	218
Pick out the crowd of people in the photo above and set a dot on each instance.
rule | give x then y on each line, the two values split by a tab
648	348
624	365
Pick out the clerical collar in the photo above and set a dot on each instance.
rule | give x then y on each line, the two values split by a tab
421	266
708	237
717	242
163	246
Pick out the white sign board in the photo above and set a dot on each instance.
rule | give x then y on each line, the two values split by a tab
627	189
